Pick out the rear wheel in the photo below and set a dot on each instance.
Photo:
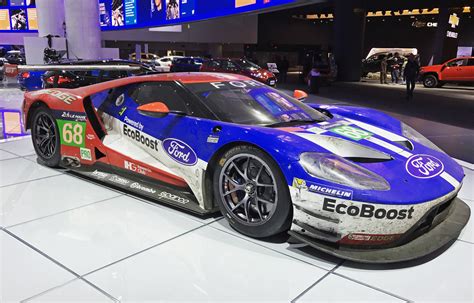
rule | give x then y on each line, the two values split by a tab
430	81
252	192
45	136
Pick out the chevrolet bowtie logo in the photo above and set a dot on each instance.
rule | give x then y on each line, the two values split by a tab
453	20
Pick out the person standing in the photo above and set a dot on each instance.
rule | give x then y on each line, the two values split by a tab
395	66
411	71
314	79
383	70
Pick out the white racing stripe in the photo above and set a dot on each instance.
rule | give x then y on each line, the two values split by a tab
391	147
378	131
449	179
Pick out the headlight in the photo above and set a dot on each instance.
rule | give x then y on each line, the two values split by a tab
409	133
341	171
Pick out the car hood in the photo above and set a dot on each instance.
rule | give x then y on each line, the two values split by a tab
416	173
430	68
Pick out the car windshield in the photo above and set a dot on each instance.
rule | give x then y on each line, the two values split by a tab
245	64
251	102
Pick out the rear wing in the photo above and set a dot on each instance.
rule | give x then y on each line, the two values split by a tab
77	67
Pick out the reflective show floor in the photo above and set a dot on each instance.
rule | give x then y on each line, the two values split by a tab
64	239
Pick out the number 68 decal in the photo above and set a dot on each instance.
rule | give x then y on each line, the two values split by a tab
72	132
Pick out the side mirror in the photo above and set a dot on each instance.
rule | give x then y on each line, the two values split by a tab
155	109
300	95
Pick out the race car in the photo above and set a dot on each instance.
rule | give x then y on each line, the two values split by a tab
352	182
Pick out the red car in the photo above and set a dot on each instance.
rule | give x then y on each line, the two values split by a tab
240	66
459	70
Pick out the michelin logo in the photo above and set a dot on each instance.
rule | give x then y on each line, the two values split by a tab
323	189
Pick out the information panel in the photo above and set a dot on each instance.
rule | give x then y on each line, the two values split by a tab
18	15
119	14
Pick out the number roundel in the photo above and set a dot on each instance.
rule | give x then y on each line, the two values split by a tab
72	132
351	132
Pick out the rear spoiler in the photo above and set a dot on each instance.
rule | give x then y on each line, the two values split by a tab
77	67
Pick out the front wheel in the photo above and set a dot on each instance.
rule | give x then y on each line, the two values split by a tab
430	81
45	136
252	193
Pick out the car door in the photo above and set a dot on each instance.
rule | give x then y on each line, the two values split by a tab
164	148
454	70
468	71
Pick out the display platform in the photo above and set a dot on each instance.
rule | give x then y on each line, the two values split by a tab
104	245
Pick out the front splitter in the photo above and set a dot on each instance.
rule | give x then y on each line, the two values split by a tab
426	244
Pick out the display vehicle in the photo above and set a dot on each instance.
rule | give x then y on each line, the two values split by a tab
352	182
458	70
73	74
240	66
186	64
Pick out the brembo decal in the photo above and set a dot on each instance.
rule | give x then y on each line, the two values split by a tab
367	210
179	151
322	189
424	166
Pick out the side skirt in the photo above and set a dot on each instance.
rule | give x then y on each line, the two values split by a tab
142	186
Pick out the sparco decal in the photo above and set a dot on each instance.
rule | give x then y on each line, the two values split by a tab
138	186
137	135
180	151
135	124
424	166
367	210
173	197
136	168
323	189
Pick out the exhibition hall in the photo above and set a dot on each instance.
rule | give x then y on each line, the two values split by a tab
236	151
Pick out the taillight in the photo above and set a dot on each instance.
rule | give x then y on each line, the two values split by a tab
61	80
50	80
25	75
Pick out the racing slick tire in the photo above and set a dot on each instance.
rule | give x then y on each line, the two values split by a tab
45	136
252	192
430	81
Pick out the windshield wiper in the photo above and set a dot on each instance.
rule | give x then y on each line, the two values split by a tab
292	122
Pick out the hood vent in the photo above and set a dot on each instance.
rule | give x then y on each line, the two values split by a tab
347	149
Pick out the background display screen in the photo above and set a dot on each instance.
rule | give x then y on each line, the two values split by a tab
117	14
18	16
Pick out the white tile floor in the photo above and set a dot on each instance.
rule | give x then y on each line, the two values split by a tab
67	240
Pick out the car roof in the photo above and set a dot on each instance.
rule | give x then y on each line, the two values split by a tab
187	78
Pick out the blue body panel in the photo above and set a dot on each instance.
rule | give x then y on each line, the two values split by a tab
285	146
33	82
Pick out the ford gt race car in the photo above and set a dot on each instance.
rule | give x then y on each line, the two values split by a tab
352	182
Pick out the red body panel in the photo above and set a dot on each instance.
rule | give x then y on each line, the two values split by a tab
71	100
444	72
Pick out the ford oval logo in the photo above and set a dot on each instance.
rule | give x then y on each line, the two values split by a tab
180	151
424	166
